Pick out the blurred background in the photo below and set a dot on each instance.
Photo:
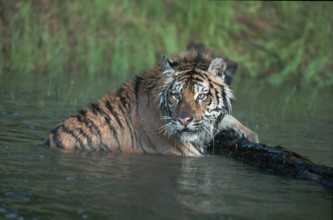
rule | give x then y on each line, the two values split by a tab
276	43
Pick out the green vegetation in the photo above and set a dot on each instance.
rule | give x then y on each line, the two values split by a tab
276	42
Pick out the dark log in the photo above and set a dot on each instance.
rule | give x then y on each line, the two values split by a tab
277	160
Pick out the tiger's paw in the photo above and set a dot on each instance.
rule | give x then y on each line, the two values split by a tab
246	133
231	123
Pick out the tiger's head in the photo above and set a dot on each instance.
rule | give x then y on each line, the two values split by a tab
194	98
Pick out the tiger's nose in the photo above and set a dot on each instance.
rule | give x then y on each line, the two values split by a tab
184	118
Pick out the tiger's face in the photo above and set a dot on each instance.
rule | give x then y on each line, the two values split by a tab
194	100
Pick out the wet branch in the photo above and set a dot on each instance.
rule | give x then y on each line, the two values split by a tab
274	159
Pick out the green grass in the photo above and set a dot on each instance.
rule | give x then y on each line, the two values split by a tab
275	42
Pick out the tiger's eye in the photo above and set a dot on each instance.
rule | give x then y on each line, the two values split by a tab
175	95
201	97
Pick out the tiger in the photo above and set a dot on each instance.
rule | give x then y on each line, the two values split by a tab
174	108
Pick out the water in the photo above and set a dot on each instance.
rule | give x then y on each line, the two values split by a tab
40	184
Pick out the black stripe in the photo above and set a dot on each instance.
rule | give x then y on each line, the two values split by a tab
225	100
164	107
217	96
93	128
124	100
215	84
218	120
95	108
137	83
211	85
114	131
114	113
87	137
125	104
56	140
217	109
197	80
183	78
197	123
199	76
129	125
83	112
96	131
73	135
150	87
136	139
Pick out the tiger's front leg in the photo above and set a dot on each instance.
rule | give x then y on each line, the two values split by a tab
231	123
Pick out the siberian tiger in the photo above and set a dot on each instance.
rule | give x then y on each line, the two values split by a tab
175	108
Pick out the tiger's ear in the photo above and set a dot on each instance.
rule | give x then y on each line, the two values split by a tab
217	67
167	65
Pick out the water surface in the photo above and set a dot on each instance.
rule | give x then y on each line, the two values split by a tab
40	184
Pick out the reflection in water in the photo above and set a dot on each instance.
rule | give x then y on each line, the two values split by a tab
200	181
36	183
224	187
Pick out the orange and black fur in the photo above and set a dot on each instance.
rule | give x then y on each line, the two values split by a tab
175	108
